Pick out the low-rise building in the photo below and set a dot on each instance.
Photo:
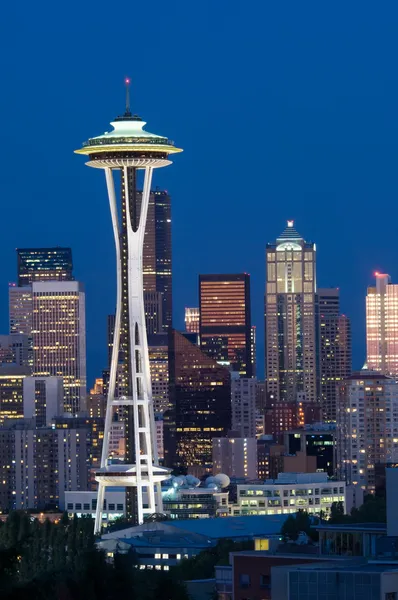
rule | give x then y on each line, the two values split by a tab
85	503
290	492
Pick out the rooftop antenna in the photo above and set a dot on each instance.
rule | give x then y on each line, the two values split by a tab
127	82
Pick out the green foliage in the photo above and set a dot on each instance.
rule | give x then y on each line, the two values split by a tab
59	561
373	510
301	522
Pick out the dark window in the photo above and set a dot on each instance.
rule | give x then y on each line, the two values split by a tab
86	506
265	581
120	507
78	506
70	506
111	507
244	581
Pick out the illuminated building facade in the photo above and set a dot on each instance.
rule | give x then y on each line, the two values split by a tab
11	392
243	401
59	338
200	406
20	309
15	349
334	331
158	350
153	302
382	326
44	264
43	399
235	456
290	332
157	260
128	151
192	320
367	427
225	320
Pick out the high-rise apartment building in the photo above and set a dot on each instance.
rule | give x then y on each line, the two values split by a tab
43	399
200	406
235	456
366	426
290	332
334	339
192	320
59	337
225	320
44	264
382	326
243	401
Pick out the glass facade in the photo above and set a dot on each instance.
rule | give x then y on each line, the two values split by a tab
44	264
225	320
200	405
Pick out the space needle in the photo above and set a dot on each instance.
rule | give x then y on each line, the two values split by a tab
125	151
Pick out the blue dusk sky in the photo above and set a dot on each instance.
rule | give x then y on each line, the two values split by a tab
285	110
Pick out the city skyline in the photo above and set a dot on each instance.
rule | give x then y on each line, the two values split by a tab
304	114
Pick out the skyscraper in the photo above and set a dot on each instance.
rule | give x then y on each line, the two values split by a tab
44	264
334	335
200	406
225	320
159	367
126	150
367	427
192	320
157	264
290	332
20	309
382	326
59	337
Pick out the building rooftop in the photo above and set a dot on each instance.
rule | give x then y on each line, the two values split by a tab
209	529
366	527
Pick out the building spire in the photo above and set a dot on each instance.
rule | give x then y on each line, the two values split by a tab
127	82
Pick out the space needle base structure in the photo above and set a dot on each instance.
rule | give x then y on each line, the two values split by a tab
127	149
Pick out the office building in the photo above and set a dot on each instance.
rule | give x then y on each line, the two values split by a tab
382	326
192	320
11	392
14	349
59	338
319	441
289	493
44	264
85	503
43	399
367	427
235	456
243	402
20	309
200	406
334	331
159	435
290	332
158	351
157	259
142	265
339	579
153	302
225	320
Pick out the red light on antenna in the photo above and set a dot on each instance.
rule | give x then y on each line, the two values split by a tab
127	80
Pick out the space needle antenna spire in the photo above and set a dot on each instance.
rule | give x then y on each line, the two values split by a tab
127	82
